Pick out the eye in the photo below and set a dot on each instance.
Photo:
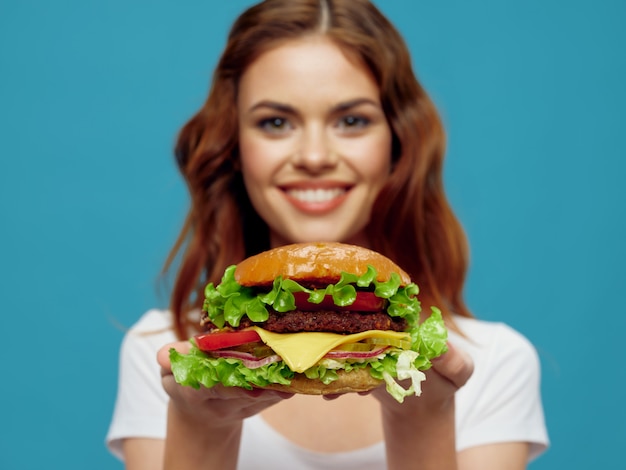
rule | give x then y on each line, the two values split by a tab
353	122
274	124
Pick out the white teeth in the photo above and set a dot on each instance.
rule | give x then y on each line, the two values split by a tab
315	195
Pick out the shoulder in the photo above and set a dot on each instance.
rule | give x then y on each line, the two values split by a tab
486	331
492	341
152	321
147	335
152	325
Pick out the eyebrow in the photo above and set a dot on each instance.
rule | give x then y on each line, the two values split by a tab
285	108
274	105
354	103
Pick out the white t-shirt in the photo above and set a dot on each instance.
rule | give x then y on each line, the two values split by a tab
500	403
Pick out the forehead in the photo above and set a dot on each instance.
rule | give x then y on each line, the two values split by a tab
312	67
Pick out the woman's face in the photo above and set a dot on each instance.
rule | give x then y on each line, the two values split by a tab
314	142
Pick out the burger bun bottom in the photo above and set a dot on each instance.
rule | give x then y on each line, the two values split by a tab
359	380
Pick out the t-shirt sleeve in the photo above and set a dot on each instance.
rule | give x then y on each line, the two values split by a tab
507	407
141	403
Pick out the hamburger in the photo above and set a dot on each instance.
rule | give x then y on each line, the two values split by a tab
313	318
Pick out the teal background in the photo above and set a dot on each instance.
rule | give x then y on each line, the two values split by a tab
92	95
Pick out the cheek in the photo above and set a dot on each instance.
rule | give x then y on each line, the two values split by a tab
372	159
252	177
261	154
254	161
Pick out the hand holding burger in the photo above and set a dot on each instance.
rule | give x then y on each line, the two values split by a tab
313	318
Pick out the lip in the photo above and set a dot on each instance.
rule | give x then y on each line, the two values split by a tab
316	197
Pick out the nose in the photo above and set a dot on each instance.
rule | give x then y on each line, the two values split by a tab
314	151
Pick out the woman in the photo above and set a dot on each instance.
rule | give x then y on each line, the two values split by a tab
316	130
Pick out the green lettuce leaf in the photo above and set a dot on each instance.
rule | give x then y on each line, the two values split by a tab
197	368
430	339
229	302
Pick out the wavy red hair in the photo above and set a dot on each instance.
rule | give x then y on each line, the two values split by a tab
412	222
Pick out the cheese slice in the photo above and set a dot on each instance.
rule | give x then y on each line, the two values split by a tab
300	351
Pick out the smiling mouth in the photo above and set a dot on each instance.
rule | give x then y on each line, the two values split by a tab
317	200
317	195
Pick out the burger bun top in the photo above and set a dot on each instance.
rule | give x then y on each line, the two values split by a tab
310	261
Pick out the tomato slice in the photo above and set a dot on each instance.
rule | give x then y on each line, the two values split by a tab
225	339
364	302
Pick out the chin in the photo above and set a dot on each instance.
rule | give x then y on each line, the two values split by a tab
327	233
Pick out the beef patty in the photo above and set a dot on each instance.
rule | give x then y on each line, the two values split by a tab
331	321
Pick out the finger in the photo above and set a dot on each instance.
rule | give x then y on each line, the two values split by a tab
331	396
284	395
163	355
455	365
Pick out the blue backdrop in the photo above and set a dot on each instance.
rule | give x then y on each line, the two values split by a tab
93	93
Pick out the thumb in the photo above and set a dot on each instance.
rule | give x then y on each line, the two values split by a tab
455	365
163	355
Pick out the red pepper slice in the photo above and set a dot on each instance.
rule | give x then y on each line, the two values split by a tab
364	302
225	339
